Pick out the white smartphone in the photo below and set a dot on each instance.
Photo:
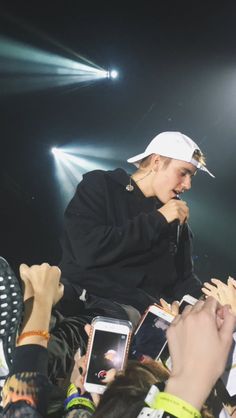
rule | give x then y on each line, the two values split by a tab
164	354
150	334
186	300
107	349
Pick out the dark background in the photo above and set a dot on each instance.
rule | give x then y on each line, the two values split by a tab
177	65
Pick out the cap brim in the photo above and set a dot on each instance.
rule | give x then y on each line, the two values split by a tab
203	168
137	158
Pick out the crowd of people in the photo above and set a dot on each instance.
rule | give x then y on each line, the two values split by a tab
126	245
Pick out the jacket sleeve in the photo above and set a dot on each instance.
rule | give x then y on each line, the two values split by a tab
26	391
188	282
96	241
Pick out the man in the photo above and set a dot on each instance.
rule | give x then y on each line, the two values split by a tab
126	238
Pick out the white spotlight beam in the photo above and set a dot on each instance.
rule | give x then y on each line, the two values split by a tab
25	67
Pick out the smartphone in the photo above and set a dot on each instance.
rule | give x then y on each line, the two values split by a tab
108	347
185	301
164	354
150	335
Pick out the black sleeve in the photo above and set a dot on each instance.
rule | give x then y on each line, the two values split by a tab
20	409
188	282
94	241
25	392
30	358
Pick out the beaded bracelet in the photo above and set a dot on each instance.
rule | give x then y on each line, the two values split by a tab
44	334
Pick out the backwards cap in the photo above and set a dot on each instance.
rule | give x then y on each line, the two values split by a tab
173	145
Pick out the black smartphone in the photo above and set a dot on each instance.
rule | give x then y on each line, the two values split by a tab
164	354
150	334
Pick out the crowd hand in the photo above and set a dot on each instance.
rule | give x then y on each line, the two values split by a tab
27	286
79	371
172	308
225	294
199	345
175	209
78	375
42	282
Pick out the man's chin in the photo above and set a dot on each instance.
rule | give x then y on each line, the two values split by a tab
164	199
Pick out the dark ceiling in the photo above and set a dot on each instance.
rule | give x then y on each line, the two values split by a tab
177	64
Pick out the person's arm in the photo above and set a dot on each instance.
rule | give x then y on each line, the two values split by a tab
199	342
27	388
47	291
94	239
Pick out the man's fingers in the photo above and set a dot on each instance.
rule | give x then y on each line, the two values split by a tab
228	325
165	305
232	282
218	283
56	272
206	291
210	304
186	311
209	286
23	268
198	306
87	329
175	307
60	291
174	322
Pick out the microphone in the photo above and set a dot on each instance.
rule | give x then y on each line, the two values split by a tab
179	226
176	235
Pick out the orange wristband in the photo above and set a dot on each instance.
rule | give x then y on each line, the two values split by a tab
44	334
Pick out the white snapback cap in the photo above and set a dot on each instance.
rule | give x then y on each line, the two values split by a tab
173	145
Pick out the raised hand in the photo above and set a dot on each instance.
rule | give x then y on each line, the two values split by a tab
175	209
225	294
199	345
44	281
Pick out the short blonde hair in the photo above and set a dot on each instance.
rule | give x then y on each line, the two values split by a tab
197	155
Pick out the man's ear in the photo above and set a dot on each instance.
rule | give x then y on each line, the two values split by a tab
155	162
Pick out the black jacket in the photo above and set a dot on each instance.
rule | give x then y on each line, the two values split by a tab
118	246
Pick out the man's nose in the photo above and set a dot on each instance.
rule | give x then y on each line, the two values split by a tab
187	183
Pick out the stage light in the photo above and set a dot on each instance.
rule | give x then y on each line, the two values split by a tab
54	150
26	68
113	74
72	162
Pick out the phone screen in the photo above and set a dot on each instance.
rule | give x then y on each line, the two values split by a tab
164	354
108	352
150	337
183	305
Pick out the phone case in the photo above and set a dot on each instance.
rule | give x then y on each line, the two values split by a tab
146	312
110	321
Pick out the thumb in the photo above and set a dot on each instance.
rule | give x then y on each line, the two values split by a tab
24	270
227	329
88	329
231	282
